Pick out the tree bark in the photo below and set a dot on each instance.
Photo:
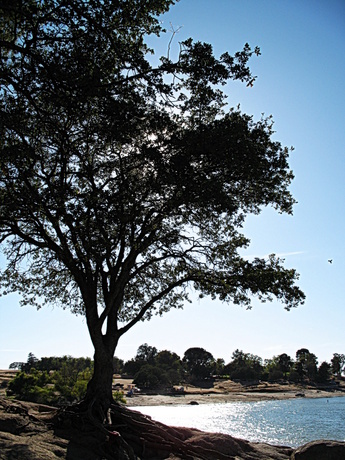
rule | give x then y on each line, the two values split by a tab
99	389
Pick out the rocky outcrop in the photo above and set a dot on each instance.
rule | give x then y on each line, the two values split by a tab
320	450
216	446
35	432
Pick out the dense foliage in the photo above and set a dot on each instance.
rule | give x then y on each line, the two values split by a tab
51	380
123	185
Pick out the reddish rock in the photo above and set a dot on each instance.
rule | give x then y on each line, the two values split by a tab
320	450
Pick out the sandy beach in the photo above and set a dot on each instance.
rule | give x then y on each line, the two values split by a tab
162	400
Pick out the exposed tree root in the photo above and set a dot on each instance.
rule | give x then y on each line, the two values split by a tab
153	440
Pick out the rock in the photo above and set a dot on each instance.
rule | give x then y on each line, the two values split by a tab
217	446
320	450
193	403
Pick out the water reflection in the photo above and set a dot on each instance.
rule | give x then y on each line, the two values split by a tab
289	422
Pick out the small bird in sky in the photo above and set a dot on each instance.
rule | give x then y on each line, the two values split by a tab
330	261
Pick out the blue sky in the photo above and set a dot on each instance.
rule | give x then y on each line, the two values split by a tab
301	83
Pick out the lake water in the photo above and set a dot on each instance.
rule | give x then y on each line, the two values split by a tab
289	422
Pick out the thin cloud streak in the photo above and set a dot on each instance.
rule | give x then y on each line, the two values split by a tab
280	255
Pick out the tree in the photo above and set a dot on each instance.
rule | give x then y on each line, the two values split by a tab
168	359
30	363
151	368
146	353
306	364
338	364
132	366
244	366
17	365
272	370
285	363
302	354
199	362
122	184
117	365
171	364
149	376
278	367
239	357
219	366
70	381
298	373
324	372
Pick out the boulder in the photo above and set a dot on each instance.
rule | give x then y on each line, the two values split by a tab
320	450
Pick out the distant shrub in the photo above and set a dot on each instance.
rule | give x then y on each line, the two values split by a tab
32	387
294	377
275	375
59	387
119	397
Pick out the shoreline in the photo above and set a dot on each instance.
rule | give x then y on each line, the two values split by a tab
219	398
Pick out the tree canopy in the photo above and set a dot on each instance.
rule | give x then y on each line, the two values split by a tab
199	362
124	184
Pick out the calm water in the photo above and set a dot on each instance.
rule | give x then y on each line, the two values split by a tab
290	422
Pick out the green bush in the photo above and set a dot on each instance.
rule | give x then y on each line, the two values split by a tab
66	385
119	397
43	395
23	382
32	387
70	383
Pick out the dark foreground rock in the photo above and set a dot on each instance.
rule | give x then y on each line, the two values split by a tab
36	432
320	450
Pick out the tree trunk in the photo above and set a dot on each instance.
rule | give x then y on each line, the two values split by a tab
99	390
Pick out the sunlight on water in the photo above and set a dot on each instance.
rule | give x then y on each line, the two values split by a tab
290	422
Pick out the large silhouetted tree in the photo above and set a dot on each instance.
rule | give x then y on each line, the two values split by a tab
122	185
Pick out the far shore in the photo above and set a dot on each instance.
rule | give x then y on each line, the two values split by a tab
212	398
224	391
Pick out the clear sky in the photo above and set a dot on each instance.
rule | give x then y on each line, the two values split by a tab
301	83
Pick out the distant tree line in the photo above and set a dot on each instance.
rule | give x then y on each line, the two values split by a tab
64	379
52	363
150	367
